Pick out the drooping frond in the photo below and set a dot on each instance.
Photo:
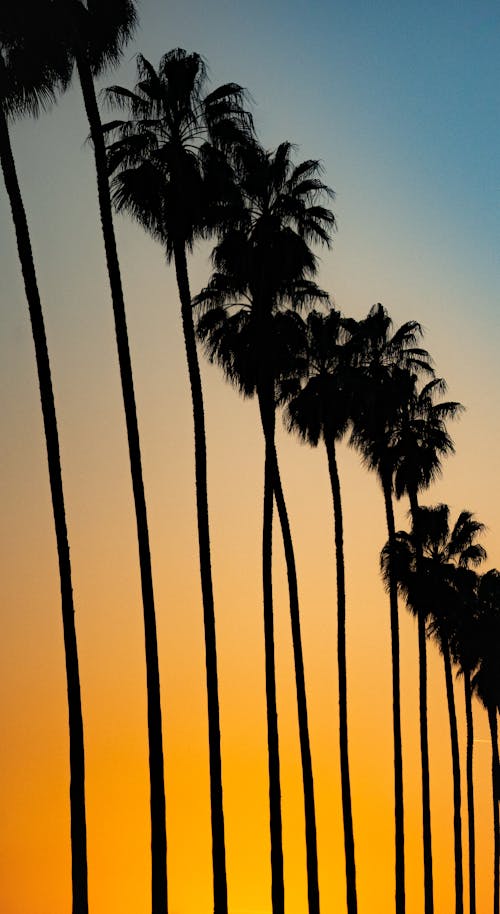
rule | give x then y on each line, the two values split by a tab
398	428
446	586
421	438
101	29
232	340
486	678
35	65
139	191
322	405
463	536
400	558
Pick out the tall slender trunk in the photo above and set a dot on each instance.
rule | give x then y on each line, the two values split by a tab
424	736
156	765
495	777
266	405
457	799
350	866
470	792
200	452
76	747
305	744
396	705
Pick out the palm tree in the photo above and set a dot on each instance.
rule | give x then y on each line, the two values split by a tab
486	685
171	174
31	71
455	548
321	410
264	263
446	553
421	439
93	34
381	356
465	650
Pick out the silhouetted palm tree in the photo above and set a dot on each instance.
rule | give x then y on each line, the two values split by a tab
446	553
381	356
486	685
94	34
264	262
32	69
465	650
321	410
420	439
455	547
172	176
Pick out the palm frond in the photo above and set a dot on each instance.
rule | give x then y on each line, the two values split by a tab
103	30
35	64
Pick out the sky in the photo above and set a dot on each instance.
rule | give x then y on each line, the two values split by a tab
400	102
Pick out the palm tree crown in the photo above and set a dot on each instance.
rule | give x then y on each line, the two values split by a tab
170	157
386	362
446	551
265	258
321	404
34	66
449	553
40	40
97	30
421	437
263	264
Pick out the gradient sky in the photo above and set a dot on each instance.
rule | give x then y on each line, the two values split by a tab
400	101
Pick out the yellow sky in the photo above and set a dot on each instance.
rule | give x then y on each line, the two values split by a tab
34	764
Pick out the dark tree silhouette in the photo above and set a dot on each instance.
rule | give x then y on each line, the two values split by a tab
173	176
320	409
486	685
455	547
420	439
264	262
445	552
32	69
94	34
465	651
381	356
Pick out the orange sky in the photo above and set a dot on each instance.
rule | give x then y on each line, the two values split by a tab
34	765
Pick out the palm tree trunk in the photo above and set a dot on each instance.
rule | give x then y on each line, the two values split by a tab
305	744
266	405
424	736
495	775
396	705
457	800
470	792
350	866
200	451
76	746
156	765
